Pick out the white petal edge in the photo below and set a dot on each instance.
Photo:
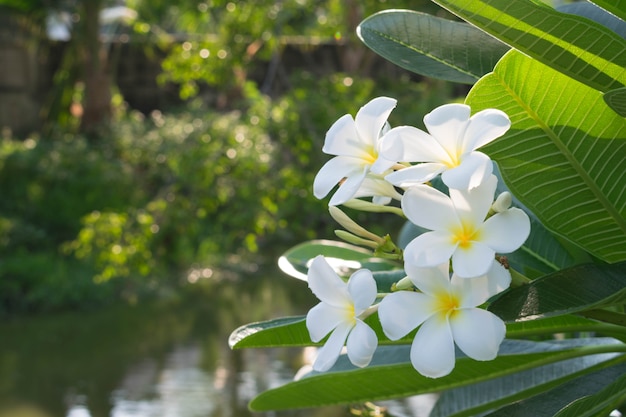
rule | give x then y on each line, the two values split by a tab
448	124
429	208
332	172
430	249
473	261
431	281
473	170
505	232
343	138
410	144
326	284
362	290
327	355
416	174
403	311
485	127
371	118
348	189
361	344
432	351
322	319
478	333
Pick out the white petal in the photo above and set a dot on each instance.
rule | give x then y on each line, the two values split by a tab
429	208
327	355
475	291
430	249
484	127
371	119
334	171
478	333
402	311
343	139
416	174
362	290
381	165
472	261
473	205
361	344
506	231
377	187
323	318
431	281
348	189
410	144
432	351
447	124
470	173
326	284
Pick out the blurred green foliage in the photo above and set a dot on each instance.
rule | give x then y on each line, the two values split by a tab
85	222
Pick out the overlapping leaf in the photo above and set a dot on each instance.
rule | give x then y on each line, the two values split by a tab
390	375
564	155
578	47
431	46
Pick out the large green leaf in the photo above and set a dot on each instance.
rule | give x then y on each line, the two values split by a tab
571	290
616	99
471	399
599	404
390	375
564	155
431	46
551	401
576	46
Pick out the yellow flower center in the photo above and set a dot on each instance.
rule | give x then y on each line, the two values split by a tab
370	155
464	236
447	304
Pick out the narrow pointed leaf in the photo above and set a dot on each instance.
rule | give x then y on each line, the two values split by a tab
599	404
431	46
563	161
571	290
391	375
550	402
472	399
576	46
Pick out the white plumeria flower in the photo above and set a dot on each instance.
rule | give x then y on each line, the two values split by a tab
459	229
341	310
448	149
446	309
356	144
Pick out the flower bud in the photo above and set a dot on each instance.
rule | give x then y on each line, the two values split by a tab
502	203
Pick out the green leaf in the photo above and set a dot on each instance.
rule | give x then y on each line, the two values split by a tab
551	401
597	14
483	396
563	161
343	257
287	331
430	45
617	7
576	46
568	291
616	99
390	375
599	404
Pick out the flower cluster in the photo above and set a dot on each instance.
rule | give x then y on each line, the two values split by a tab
451	269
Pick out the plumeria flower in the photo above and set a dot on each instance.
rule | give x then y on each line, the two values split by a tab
458	228
355	142
446	309
448	149
341	310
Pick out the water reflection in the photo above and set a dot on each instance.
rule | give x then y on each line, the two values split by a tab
165	359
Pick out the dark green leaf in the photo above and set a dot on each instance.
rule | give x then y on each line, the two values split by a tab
616	99
390	375
575	46
599	404
568	291
548	403
431	46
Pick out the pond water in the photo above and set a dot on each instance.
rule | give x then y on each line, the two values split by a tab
165	359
